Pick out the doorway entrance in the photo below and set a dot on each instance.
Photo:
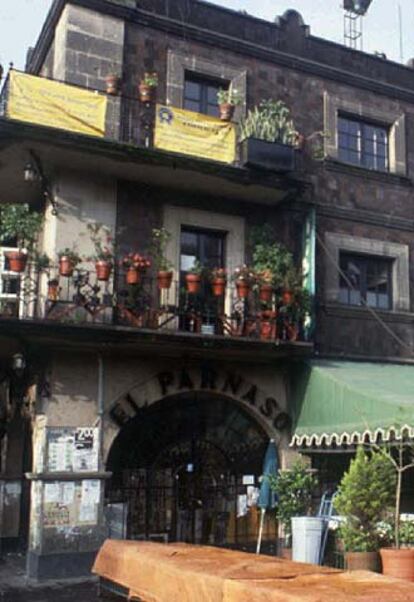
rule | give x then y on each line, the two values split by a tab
187	469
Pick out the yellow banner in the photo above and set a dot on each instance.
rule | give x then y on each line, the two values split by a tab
194	134
45	102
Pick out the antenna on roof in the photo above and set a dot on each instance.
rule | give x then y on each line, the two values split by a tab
355	10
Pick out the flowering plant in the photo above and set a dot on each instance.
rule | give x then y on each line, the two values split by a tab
135	261
71	254
102	240
244	273
160	238
218	273
230	96
150	79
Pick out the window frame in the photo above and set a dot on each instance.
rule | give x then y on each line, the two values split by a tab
364	124
362	260
204	82
336	242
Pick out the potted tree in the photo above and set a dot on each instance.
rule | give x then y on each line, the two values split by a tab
244	278
135	265
268	137
147	87
104	250
193	278
160	238
218	281
271	261
364	496
398	561
68	260
19	223
294	489
227	102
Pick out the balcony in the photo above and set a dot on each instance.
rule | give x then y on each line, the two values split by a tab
81	302
119	138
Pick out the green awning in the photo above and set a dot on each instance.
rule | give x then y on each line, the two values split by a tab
352	402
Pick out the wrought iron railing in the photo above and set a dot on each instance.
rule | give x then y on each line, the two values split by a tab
82	299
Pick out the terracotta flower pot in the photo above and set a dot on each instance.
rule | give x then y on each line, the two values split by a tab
133	275
193	283
363	561
266	292
103	270
243	288
53	290
17	261
66	266
398	563
268	325
164	279
218	286
287	297
226	111
112	84
146	93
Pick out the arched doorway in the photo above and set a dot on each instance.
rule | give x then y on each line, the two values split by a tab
182	467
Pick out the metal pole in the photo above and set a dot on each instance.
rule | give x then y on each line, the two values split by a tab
259	539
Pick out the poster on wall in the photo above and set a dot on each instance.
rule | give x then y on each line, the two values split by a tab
85	457
60	450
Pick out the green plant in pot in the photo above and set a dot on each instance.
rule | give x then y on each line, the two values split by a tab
68	260
365	494
271	261
20	224
227	102
294	489
268	137
148	86
102	240
158	250
193	277
398	561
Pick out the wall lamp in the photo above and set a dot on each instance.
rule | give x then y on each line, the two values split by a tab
33	172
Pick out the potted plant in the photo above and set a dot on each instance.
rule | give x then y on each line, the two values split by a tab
244	278
41	261
365	493
291	283
160	238
134	264
193	278
19	223
104	251
271	261
218	281
147	87
294	489
68	260
112	81
268	324
268	137
398	561
53	290
227	102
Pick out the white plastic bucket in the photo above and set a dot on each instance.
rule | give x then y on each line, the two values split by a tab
306	538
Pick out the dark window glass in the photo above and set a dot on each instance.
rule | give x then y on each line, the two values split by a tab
363	144
365	279
204	246
200	94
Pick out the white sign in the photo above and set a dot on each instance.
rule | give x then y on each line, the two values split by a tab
85	457
248	479
52	493
91	492
68	493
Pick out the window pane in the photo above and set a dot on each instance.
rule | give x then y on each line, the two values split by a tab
212	94
363	143
192	90
192	105
213	110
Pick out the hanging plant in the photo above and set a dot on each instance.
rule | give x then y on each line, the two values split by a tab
18	222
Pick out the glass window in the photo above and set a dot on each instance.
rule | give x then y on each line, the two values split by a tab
200	94
203	246
365	279
363	144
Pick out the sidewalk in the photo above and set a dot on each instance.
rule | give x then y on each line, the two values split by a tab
14	587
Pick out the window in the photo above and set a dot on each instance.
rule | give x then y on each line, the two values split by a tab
362	143
9	286
204	246
368	279
200	94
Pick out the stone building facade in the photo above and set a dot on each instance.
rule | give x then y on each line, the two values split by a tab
136	411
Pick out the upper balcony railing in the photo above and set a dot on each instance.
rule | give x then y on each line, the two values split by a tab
139	121
143	302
